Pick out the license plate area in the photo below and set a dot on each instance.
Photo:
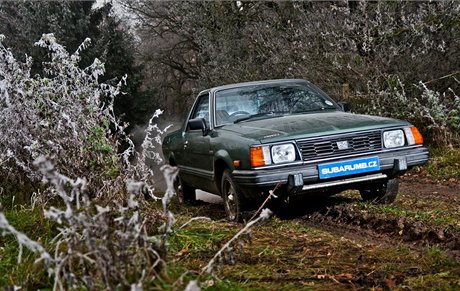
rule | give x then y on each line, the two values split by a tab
350	167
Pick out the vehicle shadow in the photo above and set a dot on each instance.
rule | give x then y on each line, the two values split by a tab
208	209
305	205
308	205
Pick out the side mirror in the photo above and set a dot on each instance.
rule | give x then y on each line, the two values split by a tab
345	106
198	123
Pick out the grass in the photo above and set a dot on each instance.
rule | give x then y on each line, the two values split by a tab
441	272
287	255
33	275
199	239
434	216
443	164
443	211
280	254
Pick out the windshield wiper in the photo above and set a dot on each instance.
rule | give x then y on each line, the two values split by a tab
257	115
314	110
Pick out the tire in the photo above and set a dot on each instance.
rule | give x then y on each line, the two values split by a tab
233	198
381	193
185	193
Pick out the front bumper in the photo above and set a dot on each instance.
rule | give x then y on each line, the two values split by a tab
392	163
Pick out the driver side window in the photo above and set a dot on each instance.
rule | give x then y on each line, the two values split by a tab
201	109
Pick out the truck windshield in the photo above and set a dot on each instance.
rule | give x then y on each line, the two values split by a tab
267	100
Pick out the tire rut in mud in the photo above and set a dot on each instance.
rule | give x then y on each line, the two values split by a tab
355	222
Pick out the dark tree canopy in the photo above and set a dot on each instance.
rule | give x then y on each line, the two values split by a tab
23	23
382	52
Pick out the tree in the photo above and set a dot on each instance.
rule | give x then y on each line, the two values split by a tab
380	49
72	22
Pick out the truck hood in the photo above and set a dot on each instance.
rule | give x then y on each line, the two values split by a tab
309	125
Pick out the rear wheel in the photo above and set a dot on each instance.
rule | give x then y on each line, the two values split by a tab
233	198
382	193
185	193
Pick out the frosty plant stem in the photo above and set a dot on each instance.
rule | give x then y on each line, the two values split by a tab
271	194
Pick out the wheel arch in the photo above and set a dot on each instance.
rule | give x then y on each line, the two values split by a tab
222	161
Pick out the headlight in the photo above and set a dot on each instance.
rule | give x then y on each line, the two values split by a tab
283	153
272	154
393	138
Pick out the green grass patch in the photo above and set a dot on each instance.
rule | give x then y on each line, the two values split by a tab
438	271
27	274
435	259
199	239
435	216
444	163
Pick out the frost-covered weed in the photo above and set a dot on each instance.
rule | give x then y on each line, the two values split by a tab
97	245
437	113
64	114
59	128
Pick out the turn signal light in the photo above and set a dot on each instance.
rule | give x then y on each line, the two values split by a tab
260	156
257	157
413	135
418	138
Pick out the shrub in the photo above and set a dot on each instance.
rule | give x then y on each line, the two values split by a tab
436	113
59	128
59	114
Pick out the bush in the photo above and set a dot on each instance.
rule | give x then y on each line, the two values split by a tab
437	114
58	115
55	128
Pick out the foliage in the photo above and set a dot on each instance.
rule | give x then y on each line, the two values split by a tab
72	22
436	113
103	236
444	164
377	49
115	46
58	115
24	22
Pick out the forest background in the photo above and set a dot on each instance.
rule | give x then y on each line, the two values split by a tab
88	89
398	59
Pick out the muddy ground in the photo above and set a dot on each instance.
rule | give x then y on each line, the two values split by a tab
341	242
425	214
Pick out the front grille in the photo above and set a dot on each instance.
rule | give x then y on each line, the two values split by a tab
328	146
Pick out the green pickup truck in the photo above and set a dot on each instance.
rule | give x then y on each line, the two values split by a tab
242	140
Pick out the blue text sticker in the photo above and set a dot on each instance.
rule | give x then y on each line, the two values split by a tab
350	167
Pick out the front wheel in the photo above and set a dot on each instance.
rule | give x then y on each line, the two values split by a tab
185	193
233	198
382	193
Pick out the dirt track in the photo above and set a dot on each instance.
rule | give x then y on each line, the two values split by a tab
426	213
340	242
